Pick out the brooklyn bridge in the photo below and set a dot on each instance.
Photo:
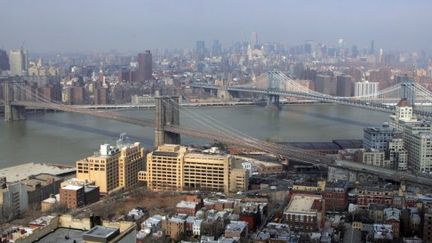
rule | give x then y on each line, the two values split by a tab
18	96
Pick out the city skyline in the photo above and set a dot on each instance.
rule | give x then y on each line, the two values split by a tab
143	25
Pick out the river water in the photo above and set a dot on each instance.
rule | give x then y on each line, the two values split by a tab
66	137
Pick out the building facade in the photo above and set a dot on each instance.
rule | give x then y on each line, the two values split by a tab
113	167
174	167
365	88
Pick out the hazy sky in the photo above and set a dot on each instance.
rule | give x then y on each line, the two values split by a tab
129	25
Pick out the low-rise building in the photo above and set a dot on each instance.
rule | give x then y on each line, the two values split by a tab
377	195
335	196
174	228
74	196
305	212
392	217
382	232
41	186
58	228
186	207
236	230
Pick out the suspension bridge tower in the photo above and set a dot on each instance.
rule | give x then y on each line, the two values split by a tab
11	112
408	91
167	114
273	85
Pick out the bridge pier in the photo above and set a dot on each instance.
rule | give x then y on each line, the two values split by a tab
167	114
12	112
273	102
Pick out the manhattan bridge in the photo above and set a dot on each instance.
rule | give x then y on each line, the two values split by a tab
18	96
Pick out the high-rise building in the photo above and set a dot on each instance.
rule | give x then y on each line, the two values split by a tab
101	96
344	86
418	142
114	167
365	88
4	61
145	67
254	40
216	48
18	62
200	49
325	84
372	48
176	168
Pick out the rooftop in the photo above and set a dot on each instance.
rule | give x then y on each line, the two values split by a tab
21	172
101	232
302	203
186	204
72	187
63	235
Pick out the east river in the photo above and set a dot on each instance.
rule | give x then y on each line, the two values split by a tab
63	137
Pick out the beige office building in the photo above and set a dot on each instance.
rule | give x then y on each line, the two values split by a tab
114	167
174	167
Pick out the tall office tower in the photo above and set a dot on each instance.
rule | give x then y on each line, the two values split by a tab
18	62
308	47
216	48
175	168
145	67
4	60
325	84
254	40
114	167
365	88
418	142
372	48
200	49
354	51
344	86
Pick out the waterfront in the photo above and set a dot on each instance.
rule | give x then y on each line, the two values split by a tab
65	137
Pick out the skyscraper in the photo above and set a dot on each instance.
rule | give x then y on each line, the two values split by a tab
18	62
254	39
216	48
344	86
200	49
4	60
372	47
145	66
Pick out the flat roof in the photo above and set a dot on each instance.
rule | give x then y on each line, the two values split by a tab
20	172
63	235
72	187
302	203
101	232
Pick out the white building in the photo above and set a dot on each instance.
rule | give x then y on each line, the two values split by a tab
196	227
13	199
365	88
418	142
18	62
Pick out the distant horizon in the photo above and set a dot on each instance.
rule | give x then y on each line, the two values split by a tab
53	26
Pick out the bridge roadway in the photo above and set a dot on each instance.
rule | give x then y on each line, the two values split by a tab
260	145
366	104
31	104
304	156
